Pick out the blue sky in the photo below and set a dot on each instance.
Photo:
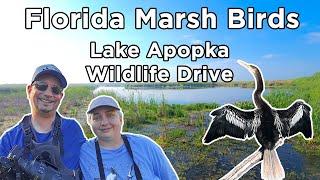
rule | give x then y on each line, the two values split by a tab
281	54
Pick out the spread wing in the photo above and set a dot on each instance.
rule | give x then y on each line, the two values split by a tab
233	122
298	119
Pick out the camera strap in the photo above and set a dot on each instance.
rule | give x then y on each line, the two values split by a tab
128	147
136	168
57	138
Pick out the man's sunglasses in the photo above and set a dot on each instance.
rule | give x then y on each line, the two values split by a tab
42	86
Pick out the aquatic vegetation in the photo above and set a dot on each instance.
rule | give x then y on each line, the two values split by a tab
179	128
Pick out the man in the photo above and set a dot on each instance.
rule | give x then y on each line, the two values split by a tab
45	129
113	154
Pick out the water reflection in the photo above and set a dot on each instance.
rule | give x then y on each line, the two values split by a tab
219	95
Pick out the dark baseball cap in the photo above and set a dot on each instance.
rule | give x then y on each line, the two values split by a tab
52	70
103	100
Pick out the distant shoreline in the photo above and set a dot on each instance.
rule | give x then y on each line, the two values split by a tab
170	85
200	85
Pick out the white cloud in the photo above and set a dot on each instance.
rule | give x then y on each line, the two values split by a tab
313	37
187	36
268	56
196	41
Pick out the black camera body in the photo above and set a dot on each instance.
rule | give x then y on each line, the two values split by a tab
15	166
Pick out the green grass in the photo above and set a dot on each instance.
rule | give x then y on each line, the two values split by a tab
138	112
177	128
308	89
176	133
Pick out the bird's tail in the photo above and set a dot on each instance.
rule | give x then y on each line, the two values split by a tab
271	167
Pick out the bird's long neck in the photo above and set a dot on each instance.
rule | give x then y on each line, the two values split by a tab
257	94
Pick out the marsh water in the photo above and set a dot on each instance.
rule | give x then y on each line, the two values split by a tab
220	95
296	165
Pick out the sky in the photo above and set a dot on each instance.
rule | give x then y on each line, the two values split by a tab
280	54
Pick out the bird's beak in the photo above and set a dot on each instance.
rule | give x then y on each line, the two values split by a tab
248	66
242	63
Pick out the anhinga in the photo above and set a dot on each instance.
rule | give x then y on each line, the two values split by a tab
267	124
